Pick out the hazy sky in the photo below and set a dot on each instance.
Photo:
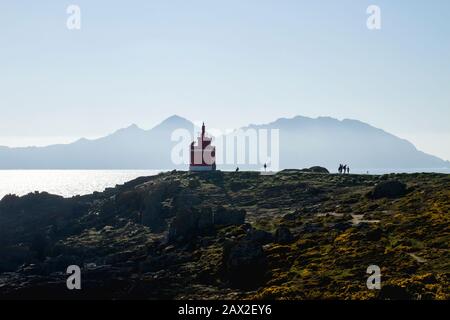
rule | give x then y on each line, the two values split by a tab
228	62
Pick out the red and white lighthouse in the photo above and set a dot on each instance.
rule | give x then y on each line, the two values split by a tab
203	155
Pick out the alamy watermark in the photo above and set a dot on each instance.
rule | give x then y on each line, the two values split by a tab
374	280
73	21
73	282
374	19
259	148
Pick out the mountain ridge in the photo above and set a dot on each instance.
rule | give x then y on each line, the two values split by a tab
304	142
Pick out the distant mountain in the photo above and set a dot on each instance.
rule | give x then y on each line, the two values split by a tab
304	142
128	148
325	141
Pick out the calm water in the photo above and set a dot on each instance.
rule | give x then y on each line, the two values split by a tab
66	183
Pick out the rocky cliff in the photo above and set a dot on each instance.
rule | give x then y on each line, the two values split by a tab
292	235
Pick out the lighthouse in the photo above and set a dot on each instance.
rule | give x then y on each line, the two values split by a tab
203	155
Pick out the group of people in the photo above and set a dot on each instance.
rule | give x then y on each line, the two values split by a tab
344	168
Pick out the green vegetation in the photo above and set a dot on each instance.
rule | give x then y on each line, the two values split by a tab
322	231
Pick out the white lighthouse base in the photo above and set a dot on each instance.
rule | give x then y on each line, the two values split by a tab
201	168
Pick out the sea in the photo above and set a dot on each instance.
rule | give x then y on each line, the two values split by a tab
69	183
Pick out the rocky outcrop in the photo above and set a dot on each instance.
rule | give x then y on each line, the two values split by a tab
283	235
291	235
388	189
244	263
259	236
394	292
189	224
227	217
316	169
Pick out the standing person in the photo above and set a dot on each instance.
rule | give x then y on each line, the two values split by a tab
348	169
345	168
340	168
265	167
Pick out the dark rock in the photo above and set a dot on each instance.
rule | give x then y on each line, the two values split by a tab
388	189
244	263
363	227
283	235
311	228
237	185
186	199
247	227
394	292
205	219
39	245
161	262
228	217
260	236
154	214
289	217
33	269
61	262
374	235
342	226
194	183
191	223
28	218
185	225
118	237
289	171
316	169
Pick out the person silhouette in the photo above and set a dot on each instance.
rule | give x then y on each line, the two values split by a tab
340	168
345	168
237	169
348	169
265	166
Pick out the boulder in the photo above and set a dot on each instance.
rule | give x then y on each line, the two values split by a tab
191	223
374	234
259	236
311	228
316	169
283	235
228	217
289	217
184	226
342	226
394	292
388	189
244	264
205	219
